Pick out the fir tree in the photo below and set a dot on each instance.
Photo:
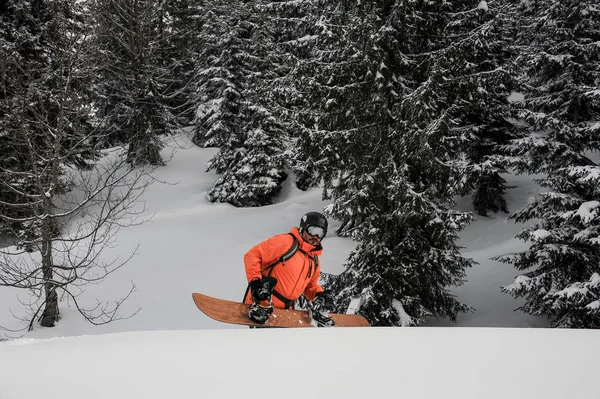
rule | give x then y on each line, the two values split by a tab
180	56
44	97
231	112
475	63
220	78
253	175
386	133
291	30
184	19
562	109
131	39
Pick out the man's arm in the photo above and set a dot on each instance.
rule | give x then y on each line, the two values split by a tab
265	253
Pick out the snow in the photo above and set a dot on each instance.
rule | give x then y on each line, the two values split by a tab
354	306
170	349
483	6
587	211
540	234
594	305
208	108
573	290
327	363
587	172
405	318
307	38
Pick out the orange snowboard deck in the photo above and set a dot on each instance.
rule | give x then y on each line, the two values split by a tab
237	313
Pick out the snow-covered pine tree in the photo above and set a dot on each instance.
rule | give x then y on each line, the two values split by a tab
44	97
181	55
134	78
561	268
386	140
220	80
255	172
231	112
292	29
475	62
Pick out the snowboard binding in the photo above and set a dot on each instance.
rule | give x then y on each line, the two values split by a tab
321	318
260	313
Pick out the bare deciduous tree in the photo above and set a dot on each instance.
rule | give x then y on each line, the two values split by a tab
63	204
101	202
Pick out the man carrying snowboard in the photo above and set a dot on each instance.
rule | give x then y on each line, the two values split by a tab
283	267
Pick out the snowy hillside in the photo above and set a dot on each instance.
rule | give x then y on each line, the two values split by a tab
356	363
485	238
192	245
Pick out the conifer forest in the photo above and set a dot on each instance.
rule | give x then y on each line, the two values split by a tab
393	107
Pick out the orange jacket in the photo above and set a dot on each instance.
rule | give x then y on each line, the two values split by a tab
294	277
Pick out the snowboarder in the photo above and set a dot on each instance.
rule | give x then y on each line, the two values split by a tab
283	267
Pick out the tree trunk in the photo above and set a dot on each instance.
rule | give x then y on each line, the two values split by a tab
50	315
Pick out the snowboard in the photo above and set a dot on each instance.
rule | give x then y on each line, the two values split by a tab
237	313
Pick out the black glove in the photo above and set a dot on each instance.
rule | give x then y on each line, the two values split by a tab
262	289
323	301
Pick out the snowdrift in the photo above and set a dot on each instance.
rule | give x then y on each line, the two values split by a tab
299	363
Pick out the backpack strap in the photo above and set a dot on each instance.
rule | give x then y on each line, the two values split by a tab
285	257
315	262
288	303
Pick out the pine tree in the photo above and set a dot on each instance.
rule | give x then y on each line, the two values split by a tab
131	38
561	268
220	78
291	30
253	175
44	97
231	112
386	134
181	55
476	66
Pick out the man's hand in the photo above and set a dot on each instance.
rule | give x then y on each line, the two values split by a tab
258	294
323	301
262	289
262	307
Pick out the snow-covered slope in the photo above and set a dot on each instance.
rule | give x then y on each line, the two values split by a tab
485	238
359	363
191	245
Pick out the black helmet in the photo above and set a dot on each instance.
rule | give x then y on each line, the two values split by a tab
315	219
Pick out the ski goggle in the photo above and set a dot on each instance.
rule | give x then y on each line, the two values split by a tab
316	231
